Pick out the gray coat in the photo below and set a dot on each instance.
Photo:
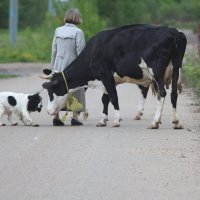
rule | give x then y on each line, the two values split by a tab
68	42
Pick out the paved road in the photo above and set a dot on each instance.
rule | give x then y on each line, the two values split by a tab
88	163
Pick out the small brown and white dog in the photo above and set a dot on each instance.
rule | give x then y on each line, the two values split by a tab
21	104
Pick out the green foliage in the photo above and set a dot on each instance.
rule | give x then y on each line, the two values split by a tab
191	70
37	26
32	46
119	12
32	12
4	5
148	11
35	44
92	22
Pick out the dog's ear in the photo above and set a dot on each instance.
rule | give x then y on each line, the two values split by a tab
30	97
34	96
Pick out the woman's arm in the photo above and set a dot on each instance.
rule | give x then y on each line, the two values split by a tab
54	50
80	42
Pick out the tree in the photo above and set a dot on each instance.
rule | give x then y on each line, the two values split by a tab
4	7
32	12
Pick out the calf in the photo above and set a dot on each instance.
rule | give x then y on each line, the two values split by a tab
21	104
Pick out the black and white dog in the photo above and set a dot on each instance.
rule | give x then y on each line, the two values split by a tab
21	104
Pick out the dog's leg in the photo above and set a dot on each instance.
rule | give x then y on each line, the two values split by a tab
27	120
10	119
1	115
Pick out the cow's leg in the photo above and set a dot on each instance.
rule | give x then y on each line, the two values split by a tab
109	84
140	108
104	118
174	97
159	106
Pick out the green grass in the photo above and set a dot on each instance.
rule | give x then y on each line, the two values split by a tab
3	76
31	47
191	71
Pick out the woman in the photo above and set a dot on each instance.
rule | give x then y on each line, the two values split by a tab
68	42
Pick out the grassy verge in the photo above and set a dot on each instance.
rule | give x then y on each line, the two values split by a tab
7	76
191	70
31	47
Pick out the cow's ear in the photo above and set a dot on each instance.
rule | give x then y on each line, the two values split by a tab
47	71
48	85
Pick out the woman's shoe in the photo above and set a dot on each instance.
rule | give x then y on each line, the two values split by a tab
75	122
57	122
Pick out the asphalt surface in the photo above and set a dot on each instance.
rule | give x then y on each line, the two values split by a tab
89	163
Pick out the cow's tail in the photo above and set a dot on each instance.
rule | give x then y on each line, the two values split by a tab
177	59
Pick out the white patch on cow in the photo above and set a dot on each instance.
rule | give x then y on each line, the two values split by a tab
146	80
175	116
117	118
104	119
159	108
57	104
96	84
143	64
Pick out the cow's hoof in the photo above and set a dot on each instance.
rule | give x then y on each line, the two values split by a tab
3	125
177	125
138	116
154	125
15	124
116	125
101	124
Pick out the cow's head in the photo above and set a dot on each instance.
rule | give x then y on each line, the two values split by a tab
57	93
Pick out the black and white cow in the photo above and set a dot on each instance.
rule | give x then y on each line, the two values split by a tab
142	54
21	104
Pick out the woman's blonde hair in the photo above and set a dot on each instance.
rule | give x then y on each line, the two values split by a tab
73	16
